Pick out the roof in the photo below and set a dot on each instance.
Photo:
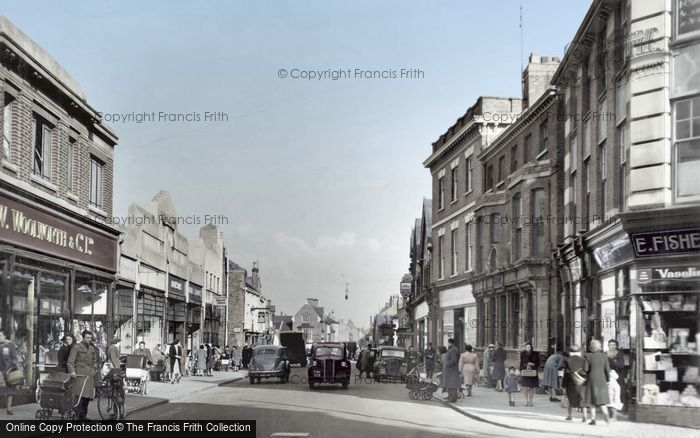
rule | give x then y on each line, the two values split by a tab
305	325
233	266
330	320
318	310
282	318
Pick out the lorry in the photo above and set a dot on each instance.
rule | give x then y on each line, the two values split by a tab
296	348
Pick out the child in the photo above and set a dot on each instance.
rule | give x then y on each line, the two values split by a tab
614	395
511	385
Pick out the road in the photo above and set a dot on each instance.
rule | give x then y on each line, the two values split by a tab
365	409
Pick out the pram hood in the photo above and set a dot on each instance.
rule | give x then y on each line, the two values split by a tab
57	377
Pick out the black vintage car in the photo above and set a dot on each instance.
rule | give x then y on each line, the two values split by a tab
391	363
269	361
329	364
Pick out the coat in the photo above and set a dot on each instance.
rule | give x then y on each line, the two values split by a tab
366	360
469	367
201	359
499	363
450	369
9	358
83	362
575	393
551	370
597	368
175	353
113	356
525	358
486	364
429	358
63	354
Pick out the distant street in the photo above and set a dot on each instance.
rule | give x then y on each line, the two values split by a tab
365	409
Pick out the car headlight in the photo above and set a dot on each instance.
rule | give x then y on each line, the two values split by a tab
343	364
316	363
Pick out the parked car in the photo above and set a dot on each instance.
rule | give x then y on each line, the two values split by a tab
329	363
390	363
269	361
296	349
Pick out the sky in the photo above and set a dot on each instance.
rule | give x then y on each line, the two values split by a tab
318	180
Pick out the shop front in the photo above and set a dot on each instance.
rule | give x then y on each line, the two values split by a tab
57	274
177	309
458	310
194	316
420	315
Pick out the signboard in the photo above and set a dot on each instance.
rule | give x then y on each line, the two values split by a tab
675	273
220	301
176	287
405	290
33	228
614	252
661	243
195	294
261	317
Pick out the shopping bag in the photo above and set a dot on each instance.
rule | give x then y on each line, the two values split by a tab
564	403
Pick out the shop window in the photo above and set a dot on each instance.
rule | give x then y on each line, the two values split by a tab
149	323
90	309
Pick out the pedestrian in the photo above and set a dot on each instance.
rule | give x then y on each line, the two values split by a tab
235	358
469	367
597	368
429	360
9	360
510	382
113	355
210	360
499	366
366	361
166	362
487	365
145	352
200	360
550	378
82	365
450	371
412	358
614	396
574	393
617	363
246	355
63	352
175	356
529	364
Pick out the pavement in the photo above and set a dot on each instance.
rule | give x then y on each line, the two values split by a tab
159	393
491	407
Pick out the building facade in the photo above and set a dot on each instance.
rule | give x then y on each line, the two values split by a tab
250	314
309	320
58	255
458	179
515	221
419	296
628	264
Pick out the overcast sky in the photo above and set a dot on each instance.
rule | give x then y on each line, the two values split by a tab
320	180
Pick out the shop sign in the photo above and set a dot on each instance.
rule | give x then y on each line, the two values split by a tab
614	252
405	290
195	293
666	242
220	301
676	273
176	286
35	229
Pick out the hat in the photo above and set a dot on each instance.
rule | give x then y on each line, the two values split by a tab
574	349
491	345
115	341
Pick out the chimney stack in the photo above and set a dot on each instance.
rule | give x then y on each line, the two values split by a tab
537	76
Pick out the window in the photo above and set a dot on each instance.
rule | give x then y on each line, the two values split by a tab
686	115
587	189
455	183
602	118
586	139
470	173
501	165
455	252
479	247
495	227
515	317
70	163
538	209
96	182
441	256
305	318
585	85
620	100
469	247
572	185
622	142
42	132
602	59
441	193
514	158
603	166
517	218
544	136
526	148
7	126
573	155
488	184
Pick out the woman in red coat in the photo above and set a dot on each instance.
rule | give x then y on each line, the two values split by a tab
529	360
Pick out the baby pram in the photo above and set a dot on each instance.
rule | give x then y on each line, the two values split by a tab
137	375
56	395
420	388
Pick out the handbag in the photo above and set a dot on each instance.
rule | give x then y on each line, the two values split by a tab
14	377
579	377
564	403
528	373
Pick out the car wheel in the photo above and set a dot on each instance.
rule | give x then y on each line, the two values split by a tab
345	384
252	380
312	385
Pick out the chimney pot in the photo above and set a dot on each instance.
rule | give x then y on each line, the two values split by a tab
534	58
545	59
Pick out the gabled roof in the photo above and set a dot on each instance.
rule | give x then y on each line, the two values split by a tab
319	310
329	320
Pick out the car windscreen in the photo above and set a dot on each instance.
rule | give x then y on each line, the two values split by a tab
328	351
393	353
266	352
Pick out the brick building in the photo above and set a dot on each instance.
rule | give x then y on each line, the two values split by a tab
514	220
458	179
58	255
250	314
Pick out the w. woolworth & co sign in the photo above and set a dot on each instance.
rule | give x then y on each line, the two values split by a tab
33	228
